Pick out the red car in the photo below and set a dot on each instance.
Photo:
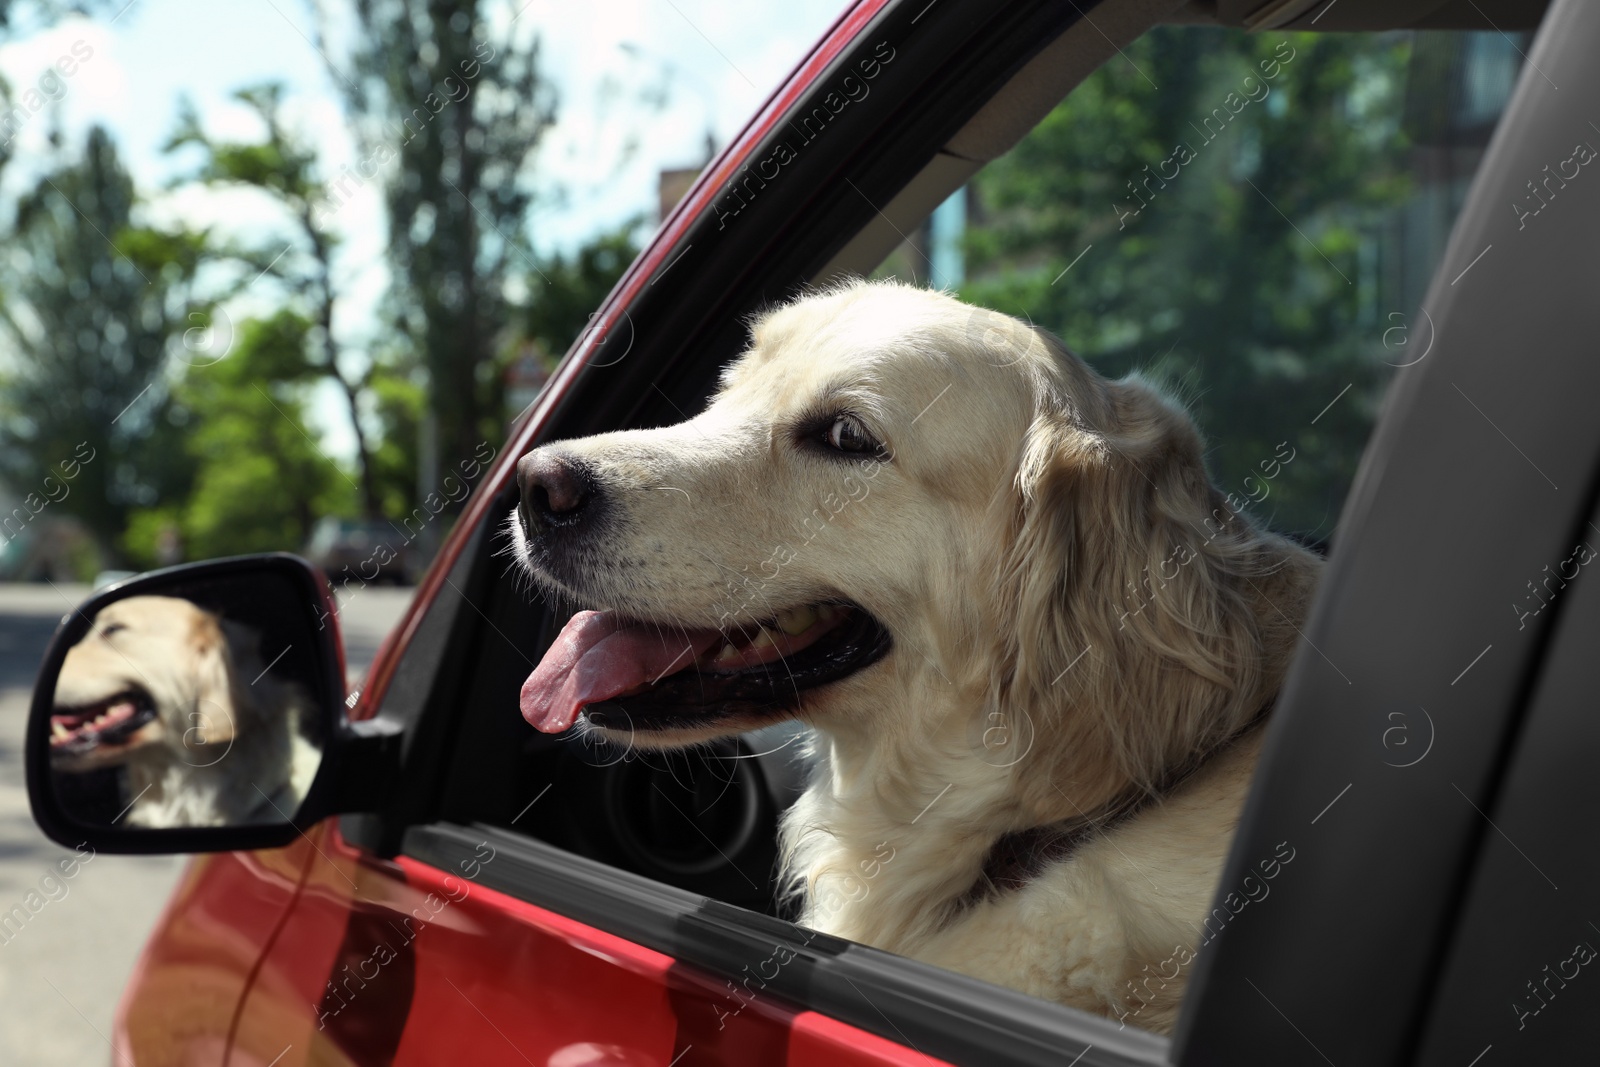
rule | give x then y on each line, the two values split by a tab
456	888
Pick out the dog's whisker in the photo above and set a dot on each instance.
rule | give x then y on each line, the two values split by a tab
672	770
726	783
669	489
756	755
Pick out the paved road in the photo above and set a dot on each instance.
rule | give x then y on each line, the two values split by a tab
61	974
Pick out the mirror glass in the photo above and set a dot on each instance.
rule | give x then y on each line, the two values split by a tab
190	703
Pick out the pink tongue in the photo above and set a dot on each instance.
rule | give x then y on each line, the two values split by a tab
597	657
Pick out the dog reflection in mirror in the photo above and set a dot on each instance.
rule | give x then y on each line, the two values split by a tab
163	689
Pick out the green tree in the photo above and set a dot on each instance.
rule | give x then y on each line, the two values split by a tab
400	402
1225	217
90	303
463	109
565	292
285	168
261	480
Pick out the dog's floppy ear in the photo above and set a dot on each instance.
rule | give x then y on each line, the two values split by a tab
214	717
1128	621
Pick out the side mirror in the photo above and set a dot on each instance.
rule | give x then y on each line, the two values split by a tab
200	709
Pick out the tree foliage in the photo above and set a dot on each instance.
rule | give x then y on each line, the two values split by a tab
564	293
284	167
1225	222
567	290
261	480
91	304
118	335
463	111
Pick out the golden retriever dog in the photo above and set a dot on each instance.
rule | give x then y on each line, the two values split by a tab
164	689
1033	644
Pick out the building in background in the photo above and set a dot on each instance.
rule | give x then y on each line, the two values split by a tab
674	183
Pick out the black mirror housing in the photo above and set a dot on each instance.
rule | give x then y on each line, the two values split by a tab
200	708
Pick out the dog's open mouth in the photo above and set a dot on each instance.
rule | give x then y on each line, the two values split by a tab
76	731
660	677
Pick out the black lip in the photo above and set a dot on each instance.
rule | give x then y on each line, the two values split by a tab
695	698
144	712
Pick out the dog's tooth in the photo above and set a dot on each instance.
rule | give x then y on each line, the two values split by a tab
797	620
763	640
57	730
726	654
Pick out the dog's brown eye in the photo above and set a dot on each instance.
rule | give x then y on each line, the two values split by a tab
112	628
848	435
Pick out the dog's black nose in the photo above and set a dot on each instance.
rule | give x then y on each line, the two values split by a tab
555	490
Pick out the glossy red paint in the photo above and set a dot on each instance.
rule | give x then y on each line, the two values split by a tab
816	1040
406	964
182	1001
518	982
278	1015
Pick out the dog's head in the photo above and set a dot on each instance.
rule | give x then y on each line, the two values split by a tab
898	511
153	673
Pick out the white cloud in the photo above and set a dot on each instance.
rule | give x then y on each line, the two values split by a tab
719	62
65	77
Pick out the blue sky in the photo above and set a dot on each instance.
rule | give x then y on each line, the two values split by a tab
718	61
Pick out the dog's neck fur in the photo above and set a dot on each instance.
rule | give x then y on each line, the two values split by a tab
868	812
167	790
888	841
877	810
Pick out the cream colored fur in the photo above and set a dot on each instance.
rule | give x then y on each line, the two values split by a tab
1004	547
222	750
